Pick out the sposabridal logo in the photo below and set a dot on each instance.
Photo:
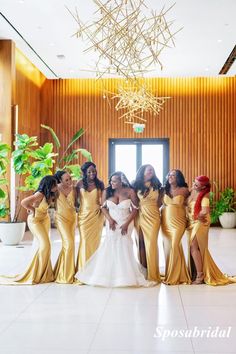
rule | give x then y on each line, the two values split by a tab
195	332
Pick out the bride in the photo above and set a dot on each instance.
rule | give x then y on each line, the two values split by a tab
114	264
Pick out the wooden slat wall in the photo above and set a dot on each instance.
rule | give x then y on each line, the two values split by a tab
28	89
28	82
199	120
6	89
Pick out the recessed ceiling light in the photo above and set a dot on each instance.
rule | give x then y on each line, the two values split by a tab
72	71
61	56
52	44
206	69
21	1
219	40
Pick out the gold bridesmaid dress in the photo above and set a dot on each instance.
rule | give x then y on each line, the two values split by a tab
40	269
212	274
64	269
90	225
173	225
148	224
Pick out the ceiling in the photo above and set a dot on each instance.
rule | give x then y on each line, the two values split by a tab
201	47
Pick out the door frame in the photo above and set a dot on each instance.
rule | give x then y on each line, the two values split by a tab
138	143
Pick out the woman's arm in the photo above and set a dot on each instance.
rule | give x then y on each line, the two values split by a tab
77	194
160	197
105	211
29	202
134	211
205	209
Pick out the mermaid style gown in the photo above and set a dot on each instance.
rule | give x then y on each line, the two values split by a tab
147	225
90	225
114	264
40	268
173	224
198	229
64	269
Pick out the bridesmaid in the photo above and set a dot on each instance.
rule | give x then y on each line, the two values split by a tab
173	225
40	269
90	217
201	265
64	270
148	188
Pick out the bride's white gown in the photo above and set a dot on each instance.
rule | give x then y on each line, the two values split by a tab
114	264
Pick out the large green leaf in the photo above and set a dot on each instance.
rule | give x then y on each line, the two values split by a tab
2	193
23	141
77	135
4	147
71	156
55	137
3	181
76	172
4	210
86	154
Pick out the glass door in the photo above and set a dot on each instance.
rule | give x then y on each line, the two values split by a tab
127	155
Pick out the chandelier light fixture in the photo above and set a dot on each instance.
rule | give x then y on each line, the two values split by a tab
136	99
128	39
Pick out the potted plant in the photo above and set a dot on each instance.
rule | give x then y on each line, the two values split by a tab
30	163
223	209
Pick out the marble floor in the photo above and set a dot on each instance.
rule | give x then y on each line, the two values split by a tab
73	319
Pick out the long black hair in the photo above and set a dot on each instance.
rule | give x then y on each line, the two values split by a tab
180	180
58	175
45	187
124	180
98	183
139	184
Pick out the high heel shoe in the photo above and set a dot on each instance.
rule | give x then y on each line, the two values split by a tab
199	279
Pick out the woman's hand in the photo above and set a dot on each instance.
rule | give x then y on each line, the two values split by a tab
124	229
202	217
112	224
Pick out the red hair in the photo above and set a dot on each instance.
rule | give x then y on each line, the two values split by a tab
204	181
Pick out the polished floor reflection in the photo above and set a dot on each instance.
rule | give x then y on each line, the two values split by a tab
72	319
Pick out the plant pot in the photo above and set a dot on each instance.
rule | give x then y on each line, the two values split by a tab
228	220
12	233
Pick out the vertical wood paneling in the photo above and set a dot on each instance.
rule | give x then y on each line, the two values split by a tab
28	90
28	82
7	79
199	120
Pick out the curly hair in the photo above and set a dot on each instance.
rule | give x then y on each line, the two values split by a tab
139	184
45	187
180	180
98	183
124	180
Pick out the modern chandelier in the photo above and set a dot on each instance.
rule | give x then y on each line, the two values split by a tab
128	39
